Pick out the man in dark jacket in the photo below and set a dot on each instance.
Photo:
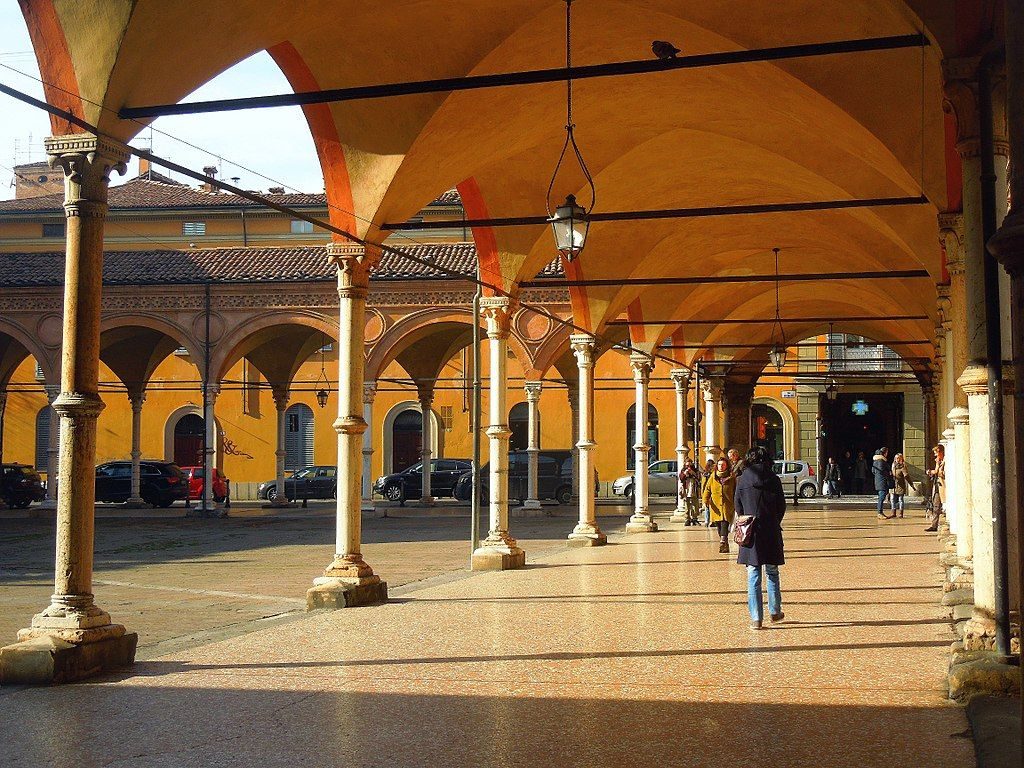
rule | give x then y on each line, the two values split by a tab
883	479
833	477
759	494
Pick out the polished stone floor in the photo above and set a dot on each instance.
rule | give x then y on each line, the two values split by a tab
635	654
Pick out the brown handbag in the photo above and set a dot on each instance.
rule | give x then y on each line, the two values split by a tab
743	530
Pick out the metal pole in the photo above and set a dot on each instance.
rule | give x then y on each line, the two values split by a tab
474	507
203	510
696	418
994	362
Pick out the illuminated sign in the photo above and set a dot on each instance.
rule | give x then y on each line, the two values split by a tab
859	408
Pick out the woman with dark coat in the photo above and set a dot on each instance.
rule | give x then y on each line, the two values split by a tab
759	494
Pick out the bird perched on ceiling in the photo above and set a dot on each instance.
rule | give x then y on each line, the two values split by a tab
664	50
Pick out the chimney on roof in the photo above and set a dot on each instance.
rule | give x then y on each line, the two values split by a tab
275	190
144	168
37	179
211	171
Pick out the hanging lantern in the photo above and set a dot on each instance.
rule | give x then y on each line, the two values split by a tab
777	357
777	353
832	390
321	398
323	383
570	221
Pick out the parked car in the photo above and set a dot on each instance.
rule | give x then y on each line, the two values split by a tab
798	476
161	483
319	482
662	480
408	484
20	485
195	484
554	477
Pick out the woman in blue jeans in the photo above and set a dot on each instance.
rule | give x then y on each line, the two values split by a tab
759	493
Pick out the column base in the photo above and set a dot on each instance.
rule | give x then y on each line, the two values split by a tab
40	658
137	502
531	504
641	524
587	535
278	504
332	593
367	505
498	558
679	516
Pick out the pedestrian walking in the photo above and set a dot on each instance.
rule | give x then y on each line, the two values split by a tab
735	462
901	484
938	477
719	494
759	494
689	491
883	479
833	479
861	473
705	474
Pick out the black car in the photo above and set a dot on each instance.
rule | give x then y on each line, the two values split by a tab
554	477
408	484
161	483
20	485
320	482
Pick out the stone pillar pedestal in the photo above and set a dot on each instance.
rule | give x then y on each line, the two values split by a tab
586	533
533	389
681	380
641	520
499	551
369	393
349	581
136	397
73	637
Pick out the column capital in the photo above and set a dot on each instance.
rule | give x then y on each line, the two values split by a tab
951	238
52	392
681	378
582	345
974	380
960	90
642	366
425	394
354	263
78	405
369	392
533	389
87	162
136	396
712	389
281	396
497	314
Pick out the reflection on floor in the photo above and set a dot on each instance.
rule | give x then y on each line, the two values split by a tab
636	654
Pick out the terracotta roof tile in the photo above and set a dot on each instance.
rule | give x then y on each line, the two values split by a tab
195	265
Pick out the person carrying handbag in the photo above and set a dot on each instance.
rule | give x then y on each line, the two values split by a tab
759	495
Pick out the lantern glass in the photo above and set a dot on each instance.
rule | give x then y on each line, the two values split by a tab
832	390
570	227
321	398
777	356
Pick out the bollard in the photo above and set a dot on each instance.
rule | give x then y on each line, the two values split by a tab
227	494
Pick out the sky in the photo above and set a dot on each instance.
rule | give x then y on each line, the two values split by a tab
281	147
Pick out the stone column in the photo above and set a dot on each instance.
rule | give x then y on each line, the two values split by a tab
586	533
948	442
349	581
533	389
369	393
52	451
952	228
931	419
572	391
959	476
74	637
209	506
980	630
681	380
280	395
136	396
499	550
712	389
641	521
944	354
426	398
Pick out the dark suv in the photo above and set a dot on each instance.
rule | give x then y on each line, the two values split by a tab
20	485
307	483
408	484
161	483
554	477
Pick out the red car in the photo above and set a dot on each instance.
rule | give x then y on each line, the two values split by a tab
195	484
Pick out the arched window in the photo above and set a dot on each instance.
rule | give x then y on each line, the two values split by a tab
519	423
406	439
298	437
42	437
652	434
